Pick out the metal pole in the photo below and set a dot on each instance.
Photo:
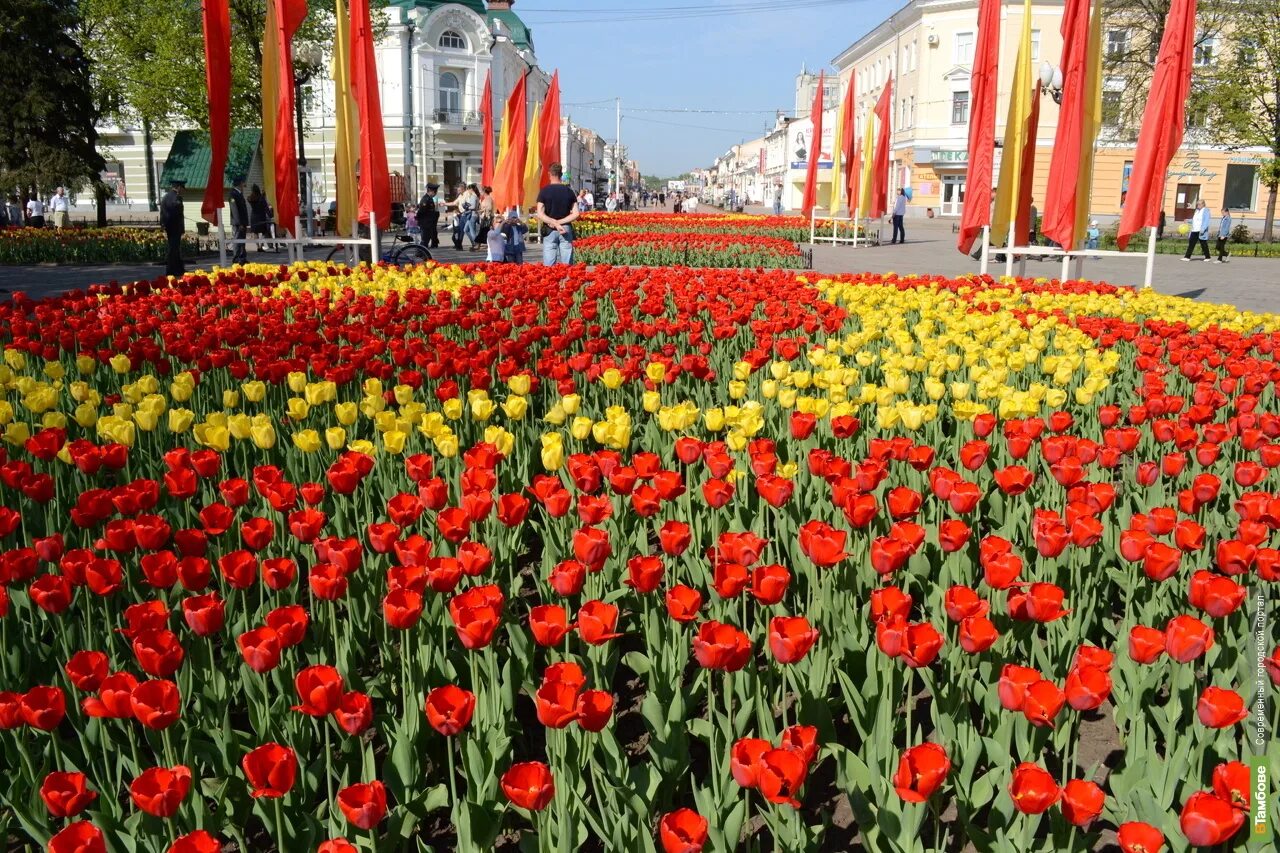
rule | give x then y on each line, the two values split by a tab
1151	257
409	174
375	248
304	188
222	241
1066	267
812	226
296	245
986	248
617	144
1008	248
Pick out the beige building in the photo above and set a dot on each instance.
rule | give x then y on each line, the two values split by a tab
927	46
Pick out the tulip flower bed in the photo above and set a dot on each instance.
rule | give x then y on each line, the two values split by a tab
82	245
792	228
688	250
630	559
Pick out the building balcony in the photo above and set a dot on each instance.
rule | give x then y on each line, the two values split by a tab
455	119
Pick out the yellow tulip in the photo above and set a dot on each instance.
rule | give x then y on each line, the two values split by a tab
86	364
446	445
552	451
372	404
651	401
556	415
297	381
656	371
254	391
17	433
612	378
307	440
452	408
238	425
580	428
85	414
263	435
571	403
394	440
180	420
119	363
714	419
335	438
372	387
519	384
53	420
363	446
54	370
500	438
515	407
346	413
230	398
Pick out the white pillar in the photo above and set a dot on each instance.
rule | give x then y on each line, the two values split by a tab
1151	257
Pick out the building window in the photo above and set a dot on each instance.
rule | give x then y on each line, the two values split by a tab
913	56
959	107
1035	45
1205	52
1125	174
452	40
1247	52
1111	108
964	48
1241	192
1197	115
1117	43
450	94
912	116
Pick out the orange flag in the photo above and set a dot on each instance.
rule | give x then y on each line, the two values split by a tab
550	129
880	165
375	178
486	128
810	200
288	17
508	183
1064	167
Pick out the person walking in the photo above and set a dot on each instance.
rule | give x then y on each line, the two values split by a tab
260	216
1199	232
556	211
1224	234
611	203
174	223
899	212
777	199
60	207
239	220
35	212
486	214
15	212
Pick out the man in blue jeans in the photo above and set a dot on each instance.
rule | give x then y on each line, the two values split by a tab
557	209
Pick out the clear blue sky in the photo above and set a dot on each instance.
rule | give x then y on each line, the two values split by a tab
688	54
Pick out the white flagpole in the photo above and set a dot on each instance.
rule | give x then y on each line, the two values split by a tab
222	241
1151	257
986	248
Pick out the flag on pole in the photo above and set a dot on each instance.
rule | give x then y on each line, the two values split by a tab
1092	123
270	99
1068	142
841	148
1008	190
810	199
1022	211
549	141
533	170
855	180
849	137
982	126
880	163
375	177
289	15
346	122
217	79
508	182
486	130
1162	122
867	161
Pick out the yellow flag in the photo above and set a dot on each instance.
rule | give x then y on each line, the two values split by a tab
1015	137
270	102
868	146
1092	122
533	160
837	145
347	124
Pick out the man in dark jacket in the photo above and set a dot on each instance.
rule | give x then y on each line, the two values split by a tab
428	214
174	223
239	220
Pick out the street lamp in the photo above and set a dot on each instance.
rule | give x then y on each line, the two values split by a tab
435	128
1051	81
308	60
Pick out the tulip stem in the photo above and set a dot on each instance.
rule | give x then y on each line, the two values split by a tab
328	776
279	825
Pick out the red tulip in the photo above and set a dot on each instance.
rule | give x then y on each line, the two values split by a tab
476	615
674	538
271	770
921	770
337	845
744	760
1082	802
1042	702
43	707
549	624
921	645
78	837
449	709
684	830
822	544
781	774
683	603
977	634
1232	782
87	670
159	791
1138	837
1187	638
595	708
790	638
1219	708
354	713
1087	687
529	785
1216	595
319	690
260	649
567	577
289	623
1032	789
721	646
66	794
644	573
363	805
205	615
1207	820
1013	685
1145	644
597	621
196	842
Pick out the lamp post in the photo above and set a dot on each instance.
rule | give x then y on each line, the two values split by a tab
435	129
307	63
411	174
1051	81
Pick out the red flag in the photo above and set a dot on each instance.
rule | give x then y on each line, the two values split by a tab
1162	122
810	199
880	165
1022	223
375	181
508	183
1064	167
289	15
848	143
855	178
982	126
217	81
486	128
550	129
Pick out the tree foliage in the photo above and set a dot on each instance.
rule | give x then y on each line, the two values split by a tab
47	115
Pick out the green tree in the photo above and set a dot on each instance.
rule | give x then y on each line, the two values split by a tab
1243	92
47	118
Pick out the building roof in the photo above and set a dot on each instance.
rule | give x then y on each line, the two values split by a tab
512	26
190	158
